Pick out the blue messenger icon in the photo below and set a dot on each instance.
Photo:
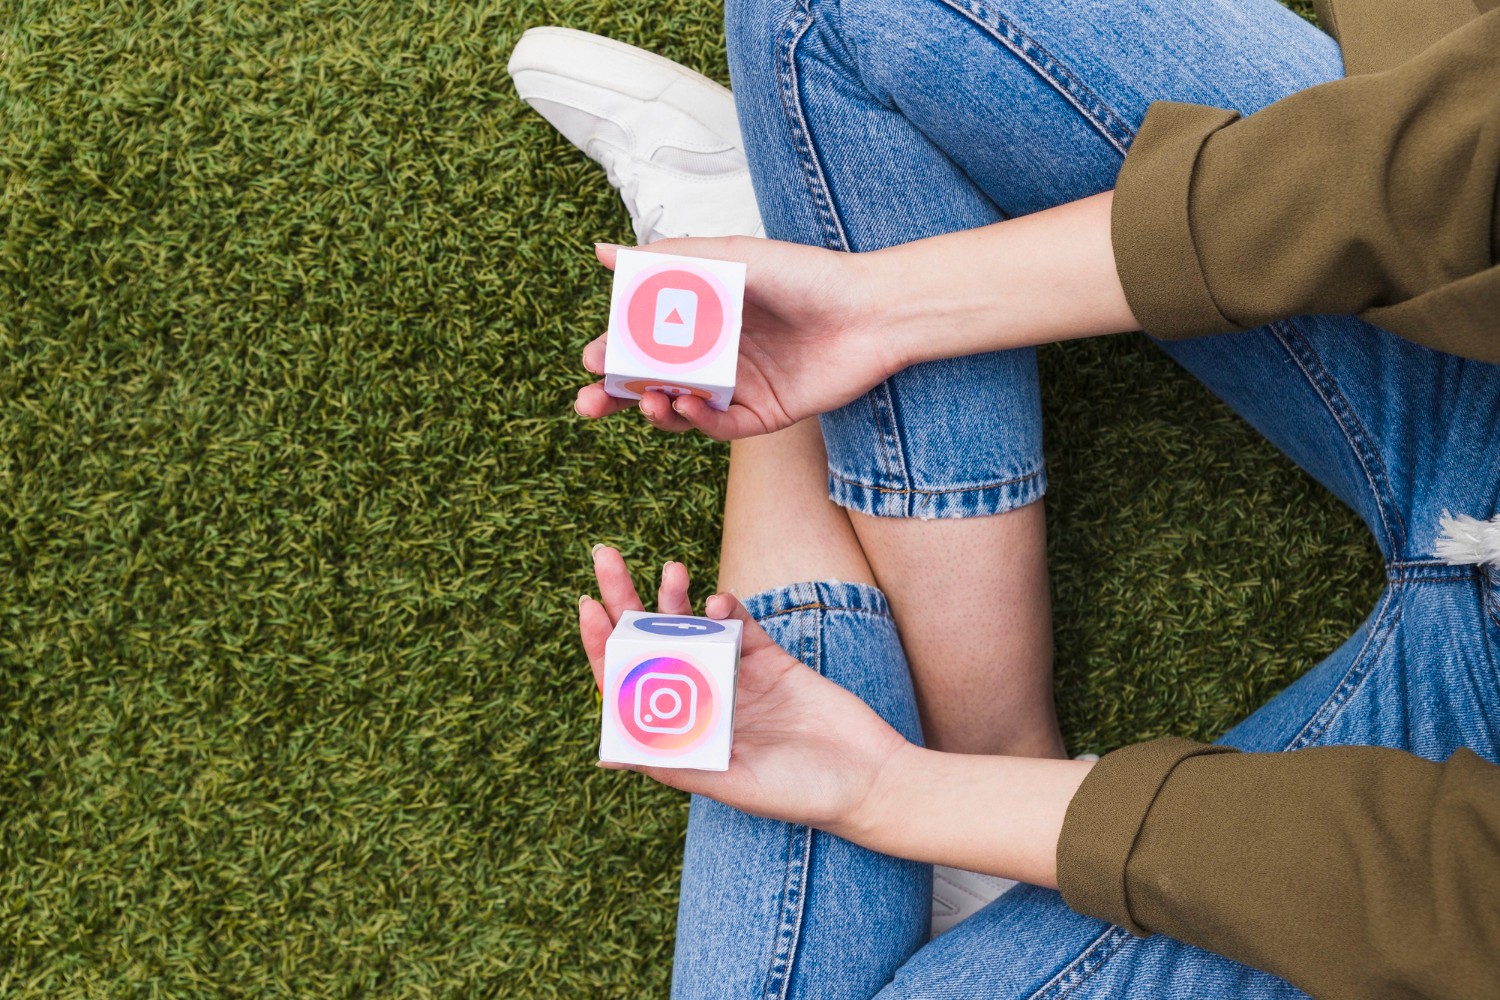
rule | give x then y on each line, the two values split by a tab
678	626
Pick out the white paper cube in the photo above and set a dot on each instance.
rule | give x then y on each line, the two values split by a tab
669	683
674	326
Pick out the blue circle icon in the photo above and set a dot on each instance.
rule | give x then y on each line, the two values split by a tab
678	626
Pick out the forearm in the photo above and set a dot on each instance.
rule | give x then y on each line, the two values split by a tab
1033	280
998	815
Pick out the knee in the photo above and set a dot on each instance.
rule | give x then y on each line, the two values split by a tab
750	29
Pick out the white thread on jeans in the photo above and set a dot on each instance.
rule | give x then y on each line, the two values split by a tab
1468	541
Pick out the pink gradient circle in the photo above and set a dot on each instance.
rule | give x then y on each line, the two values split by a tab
665	704
640	386
637	317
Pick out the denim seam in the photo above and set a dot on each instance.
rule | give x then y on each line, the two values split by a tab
884	401
1083	968
835	237
1380	629
935	493
1489	582
1355	435
1109	124
797	26
817	606
799	860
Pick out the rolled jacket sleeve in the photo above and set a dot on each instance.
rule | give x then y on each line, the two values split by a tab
1358	872
1374	195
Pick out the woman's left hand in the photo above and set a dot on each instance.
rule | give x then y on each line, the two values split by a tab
805	750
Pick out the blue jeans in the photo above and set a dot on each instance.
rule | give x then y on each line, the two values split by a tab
875	123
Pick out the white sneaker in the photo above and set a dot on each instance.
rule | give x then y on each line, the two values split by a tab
958	894
667	137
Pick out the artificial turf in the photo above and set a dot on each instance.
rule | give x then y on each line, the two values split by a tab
294	511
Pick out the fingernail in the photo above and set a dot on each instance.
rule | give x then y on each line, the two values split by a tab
595	550
608	246
576	409
677	404
583	599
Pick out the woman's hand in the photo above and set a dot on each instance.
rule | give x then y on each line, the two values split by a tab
805	750
821	328
809	341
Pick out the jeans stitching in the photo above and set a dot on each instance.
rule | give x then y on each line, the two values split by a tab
934	493
894	454
1081	969
819	606
792	32
799	857
1337	404
835	237
1109	124
1381	628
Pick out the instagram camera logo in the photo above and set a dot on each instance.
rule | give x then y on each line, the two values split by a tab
665	704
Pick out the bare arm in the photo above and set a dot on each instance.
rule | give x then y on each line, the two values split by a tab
1034	280
999	815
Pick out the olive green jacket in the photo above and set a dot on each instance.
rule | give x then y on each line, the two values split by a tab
1353	872
1374	195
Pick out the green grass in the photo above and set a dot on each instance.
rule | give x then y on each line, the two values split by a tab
294	512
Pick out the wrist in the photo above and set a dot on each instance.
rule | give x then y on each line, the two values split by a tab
1036	279
875	819
999	815
880	322
918	310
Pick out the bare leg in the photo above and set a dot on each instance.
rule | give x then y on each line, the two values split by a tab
779	525
969	595
970	599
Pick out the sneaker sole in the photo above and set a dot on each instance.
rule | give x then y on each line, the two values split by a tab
624	69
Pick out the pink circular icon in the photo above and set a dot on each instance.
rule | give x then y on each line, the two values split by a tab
641	386
665	705
675	318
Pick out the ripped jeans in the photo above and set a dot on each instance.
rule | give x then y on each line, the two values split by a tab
875	122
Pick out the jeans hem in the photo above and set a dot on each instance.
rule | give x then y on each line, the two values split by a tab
963	501
822	595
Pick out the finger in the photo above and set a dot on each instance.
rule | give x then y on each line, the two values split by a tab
615	586
657	408
594	402
723	606
722	425
594	627
593	355
711	247
605	253
672	595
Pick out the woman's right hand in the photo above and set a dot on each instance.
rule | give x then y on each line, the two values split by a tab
809	341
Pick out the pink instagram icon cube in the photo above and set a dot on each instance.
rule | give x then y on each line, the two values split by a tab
669	685
674	326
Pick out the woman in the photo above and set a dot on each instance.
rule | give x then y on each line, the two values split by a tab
1350	871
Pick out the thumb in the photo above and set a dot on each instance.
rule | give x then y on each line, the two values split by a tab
723	606
606	252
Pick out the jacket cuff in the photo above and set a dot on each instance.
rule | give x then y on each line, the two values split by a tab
1151	224
1104	819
